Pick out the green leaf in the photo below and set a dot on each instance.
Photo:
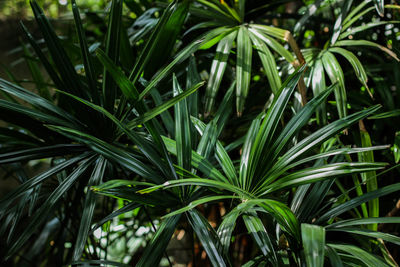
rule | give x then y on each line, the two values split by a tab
318	85
182	129
126	86
145	56
87	60
245	160
226	228
272	31
166	38
198	161
226	164
219	9
342	208
13	79
243	68
334	257
208	238
258	261
225	109
11	136
192	78
385	115
354	14
99	263
148	150
42	213
112	51
88	210
317	138
58	54
150	153
360	254
161	108
49	68
36	74
396	147
201	182
313	239
218	68
241	8
158	244
41	153
268	62
212	17
161	199
208	139
369	177
54	111
257	230
273	44
334	152
32	113
118	183
215	39
363	221
31	183
197	202
369	233
355	63
180	57
379	5
131	206
222	155
128	58
367	43
335	73
166	117
315	174
337	28
233	11
282	214
111	152
363	27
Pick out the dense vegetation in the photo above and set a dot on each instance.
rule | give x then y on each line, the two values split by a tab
207	132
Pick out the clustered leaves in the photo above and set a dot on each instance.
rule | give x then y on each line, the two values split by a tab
142	135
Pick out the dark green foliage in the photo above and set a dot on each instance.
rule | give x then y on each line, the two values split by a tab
134	149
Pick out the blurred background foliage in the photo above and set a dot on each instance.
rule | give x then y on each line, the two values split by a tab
20	9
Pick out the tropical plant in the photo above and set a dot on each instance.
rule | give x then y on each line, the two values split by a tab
129	156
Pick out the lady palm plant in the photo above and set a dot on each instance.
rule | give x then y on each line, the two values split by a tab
265	169
128	130
80	140
235	29
324	60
